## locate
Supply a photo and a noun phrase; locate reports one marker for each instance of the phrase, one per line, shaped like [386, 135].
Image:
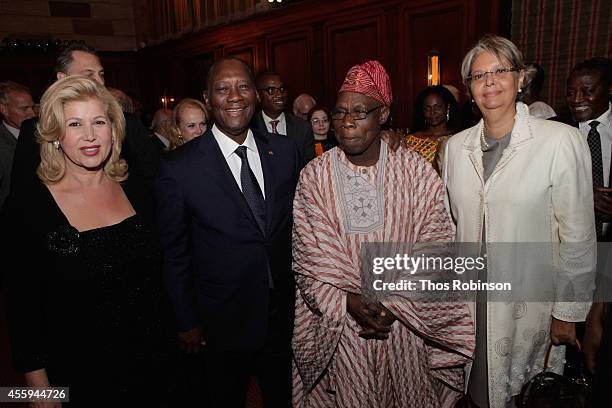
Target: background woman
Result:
[84, 307]
[514, 178]
[188, 122]
[435, 119]
[534, 79]
[324, 138]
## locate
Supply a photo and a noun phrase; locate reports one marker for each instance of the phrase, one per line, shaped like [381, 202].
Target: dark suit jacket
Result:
[138, 150]
[297, 129]
[157, 142]
[215, 256]
[7, 150]
[565, 119]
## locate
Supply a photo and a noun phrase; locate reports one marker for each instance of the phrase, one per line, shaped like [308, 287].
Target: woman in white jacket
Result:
[514, 178]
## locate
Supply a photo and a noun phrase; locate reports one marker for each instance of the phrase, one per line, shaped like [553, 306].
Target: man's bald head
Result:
[161, 122]
[302, 105]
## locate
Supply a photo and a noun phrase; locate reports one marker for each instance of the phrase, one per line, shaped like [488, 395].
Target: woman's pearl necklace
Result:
[483, 140]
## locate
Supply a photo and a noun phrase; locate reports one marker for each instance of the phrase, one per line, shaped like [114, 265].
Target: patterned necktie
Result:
[594, 142]
[274, 123]
[251, 190]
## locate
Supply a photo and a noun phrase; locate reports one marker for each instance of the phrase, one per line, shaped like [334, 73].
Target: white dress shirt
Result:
[165, 141]
[228, 147]
[281, 126]
[14, 131]
[605, 134]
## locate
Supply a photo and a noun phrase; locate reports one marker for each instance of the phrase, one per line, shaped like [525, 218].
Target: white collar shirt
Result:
[605, 134]
[281, 126]
[228, 148]
[14, 131]
[165, 141]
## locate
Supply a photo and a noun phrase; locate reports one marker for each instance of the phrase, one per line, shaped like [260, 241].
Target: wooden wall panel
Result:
[349, 43]
[245, 53]
[37, 71]
[290, 57]
[314, 42]
[418, 39]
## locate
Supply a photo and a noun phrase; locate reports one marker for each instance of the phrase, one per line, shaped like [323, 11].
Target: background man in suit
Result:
[589, 88]
[302, 105]
[273, 119]
[225, 214]
[16, 105]
[126, 103]
[161, 124]
[138, 149]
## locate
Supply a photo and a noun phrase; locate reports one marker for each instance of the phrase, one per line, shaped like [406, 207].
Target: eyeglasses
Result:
[317, 121]
[498, 73]
[338, 114]
[271, 90]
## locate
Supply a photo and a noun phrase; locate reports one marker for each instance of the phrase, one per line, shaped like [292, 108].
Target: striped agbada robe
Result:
[338, 206]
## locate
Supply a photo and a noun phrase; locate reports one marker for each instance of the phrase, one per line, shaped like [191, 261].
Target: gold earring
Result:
[56, 144]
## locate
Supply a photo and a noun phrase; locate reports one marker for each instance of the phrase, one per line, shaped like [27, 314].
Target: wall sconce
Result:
[167, 102]
[433, 68]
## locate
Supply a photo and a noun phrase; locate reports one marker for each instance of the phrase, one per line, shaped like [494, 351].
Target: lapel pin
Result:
[270, 153]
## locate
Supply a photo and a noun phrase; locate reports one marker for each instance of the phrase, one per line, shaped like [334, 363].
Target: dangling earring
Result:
[447, 115]
[56, 144]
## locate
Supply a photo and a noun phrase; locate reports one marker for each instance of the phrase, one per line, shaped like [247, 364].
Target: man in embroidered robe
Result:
[350, 351]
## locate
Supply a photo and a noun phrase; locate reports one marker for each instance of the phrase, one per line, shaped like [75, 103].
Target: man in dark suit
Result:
[161, 126]
[589, 88]
[138, 150]
[224, 205]
[273, 119]
[16, 106]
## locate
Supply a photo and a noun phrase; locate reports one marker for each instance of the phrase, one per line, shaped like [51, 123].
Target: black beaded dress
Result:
[88, 306]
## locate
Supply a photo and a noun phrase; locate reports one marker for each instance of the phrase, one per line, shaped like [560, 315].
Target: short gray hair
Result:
[500, 47]
[9, 86]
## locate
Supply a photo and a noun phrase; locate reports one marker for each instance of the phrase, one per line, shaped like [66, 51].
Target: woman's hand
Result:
[44, 404]
[39, 379]
[393, 138]
[562, 332]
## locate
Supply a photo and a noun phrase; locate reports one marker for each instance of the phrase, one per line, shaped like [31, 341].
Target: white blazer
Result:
[539, 191]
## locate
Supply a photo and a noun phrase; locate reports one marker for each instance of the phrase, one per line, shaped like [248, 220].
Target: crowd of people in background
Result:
[232, 228]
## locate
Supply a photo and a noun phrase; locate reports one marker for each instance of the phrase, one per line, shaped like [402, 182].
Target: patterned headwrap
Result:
[371, 79]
